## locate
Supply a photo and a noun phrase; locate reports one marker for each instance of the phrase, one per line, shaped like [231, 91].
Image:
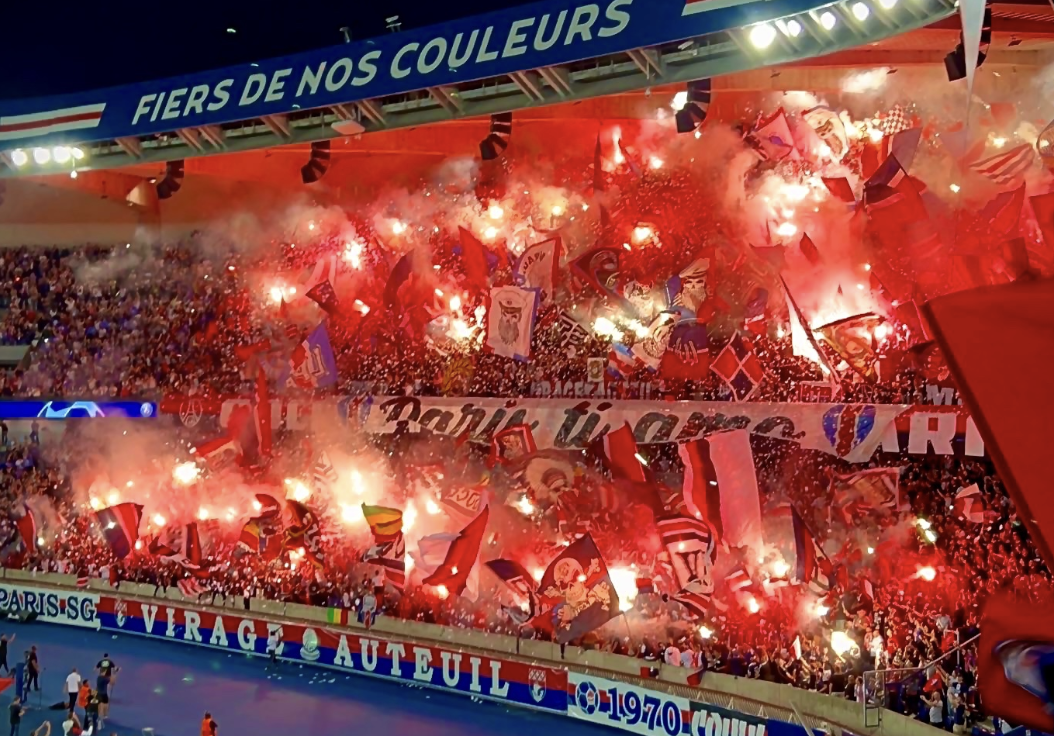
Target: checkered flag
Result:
[895, 121]
[739, 367]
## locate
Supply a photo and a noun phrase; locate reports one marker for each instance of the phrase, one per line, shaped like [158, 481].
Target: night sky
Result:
[59, 47]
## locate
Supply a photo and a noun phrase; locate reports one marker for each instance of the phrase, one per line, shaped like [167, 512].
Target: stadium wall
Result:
[593, 686]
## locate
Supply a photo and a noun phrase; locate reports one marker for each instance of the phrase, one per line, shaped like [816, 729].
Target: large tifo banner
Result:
[850, 431]
[534, 686]
[653, 713]
[51, 605]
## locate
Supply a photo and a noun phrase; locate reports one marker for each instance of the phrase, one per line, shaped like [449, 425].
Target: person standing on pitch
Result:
[73, 686]
[4, 642]
[209, 727]
[104, 683]
[32, 670]
[274, 643]
[91, 712]
[17, 711]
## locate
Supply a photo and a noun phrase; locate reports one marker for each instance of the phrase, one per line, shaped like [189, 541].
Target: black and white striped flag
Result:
[572, 333]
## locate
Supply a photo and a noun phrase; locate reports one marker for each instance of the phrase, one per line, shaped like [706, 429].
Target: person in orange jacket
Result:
[83, 695]
[209, 727]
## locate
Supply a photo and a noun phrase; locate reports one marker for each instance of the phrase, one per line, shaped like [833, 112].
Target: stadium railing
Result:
[880, 684]
[812, 710]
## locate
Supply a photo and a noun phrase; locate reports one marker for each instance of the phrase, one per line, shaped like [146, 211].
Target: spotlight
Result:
[500, 131]
[793, 28]
[61, 154]
[887, 4]
[78, 153]
[861, 11]
[692, 115]
[19, 157]
[172, 181]
[41, 155]
[955, 61]
[828, 20]
[73, 174]
[316, 166]
[762, 35]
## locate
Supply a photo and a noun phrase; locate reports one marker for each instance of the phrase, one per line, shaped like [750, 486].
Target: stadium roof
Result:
[527, 56]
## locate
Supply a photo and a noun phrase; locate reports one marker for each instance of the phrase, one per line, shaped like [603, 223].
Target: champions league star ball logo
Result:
[587, 697]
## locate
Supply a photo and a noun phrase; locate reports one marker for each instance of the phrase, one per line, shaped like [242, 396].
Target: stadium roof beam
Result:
[711, 55]
[372, 112]
[558, 79]
[214, 134]
[192, 138]
[528, 84]
[278, 124]
[133, 147]
[447, 98]
[647, 61]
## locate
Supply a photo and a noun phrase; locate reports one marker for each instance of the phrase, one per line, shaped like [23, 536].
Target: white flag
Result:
[510, 321]
[651, 348]
[538, 267]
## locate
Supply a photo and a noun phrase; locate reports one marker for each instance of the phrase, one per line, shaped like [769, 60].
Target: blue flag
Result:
[576, 595]
[312, 364]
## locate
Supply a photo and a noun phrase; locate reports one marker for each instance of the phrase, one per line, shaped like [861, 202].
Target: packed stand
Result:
[102, 322]
[908, 621]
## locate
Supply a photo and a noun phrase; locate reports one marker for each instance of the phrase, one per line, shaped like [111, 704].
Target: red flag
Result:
[262, 413]
[1014, 661]
[618, 449]
[1004, 114]
[27, 528]
[1003, 213]
[325, 296]
[474, 260]
[304, 531]
[512, 445]
[598, 168]
[841, 189]
[267, 506]
[461, 556]
[219, 453]
[808, 249]
[1043, 209]
[120, 526]
[991, 337]
[721, 486]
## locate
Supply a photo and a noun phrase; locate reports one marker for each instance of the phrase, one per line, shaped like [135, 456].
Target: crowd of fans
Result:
[174, 322]
[115, 322]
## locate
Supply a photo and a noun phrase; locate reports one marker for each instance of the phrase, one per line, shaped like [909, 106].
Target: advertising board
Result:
[519, 683]
[51, 605]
